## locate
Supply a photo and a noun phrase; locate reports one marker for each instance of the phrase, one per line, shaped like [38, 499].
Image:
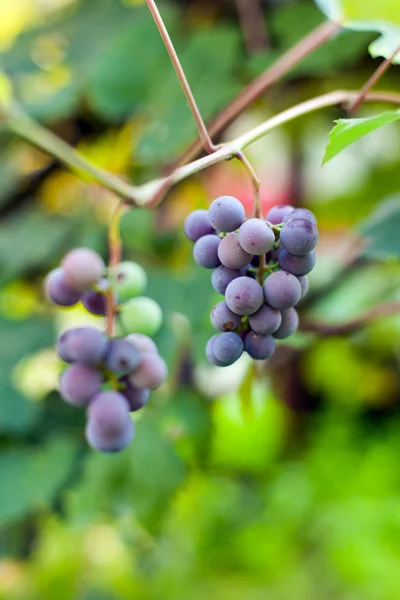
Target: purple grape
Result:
[79, 383]
[197, 225]
[82, 344]
[266, 320]
[210, 352]
[59, 290]
[110, 427]
[222, 276]
[256, 237]
[137, 397]
[297, 265]
[94, 302]
[142, 342]
[227, 348]
[150, 373]
[299, 236]
[121, 357]
[289, 324]
[273, 255]
[223, 318]
[231, 253]
[301, 213]
[259, 347]
[83, 267]
[282, 290]
[304, 284]
[278, 213]
[226, 214]
[205, 251]
[244, 296]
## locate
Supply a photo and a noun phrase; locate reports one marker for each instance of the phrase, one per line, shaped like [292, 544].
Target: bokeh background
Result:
[278, 482]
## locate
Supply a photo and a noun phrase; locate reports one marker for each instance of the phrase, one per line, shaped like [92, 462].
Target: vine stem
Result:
[202, 129]
[115, 256]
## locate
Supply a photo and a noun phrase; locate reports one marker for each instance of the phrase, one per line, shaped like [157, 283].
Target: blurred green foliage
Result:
[281, 482]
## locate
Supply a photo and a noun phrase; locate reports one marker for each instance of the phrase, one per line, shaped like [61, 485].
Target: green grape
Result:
[128, 280]
[141, 315]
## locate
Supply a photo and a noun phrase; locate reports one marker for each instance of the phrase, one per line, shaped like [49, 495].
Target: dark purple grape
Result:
[210, 352]
[82, 344]
[137, 397]
[266, 320]
[282, 290]
[301, 213]
[226, 214]
[244, 296]
[197, 224]
[121, 357]
[289, 324]
[299, 236]
[150, 373]
[256, 237]
[205, 251]
[222, 276]
[110, 427]
[273, 255]
[94, 302]
[297, 265]
[259, 347]
[223, 318]
[142, 342]
[278, 213]
[83, 267]
[79, 383]
[59, 290]
[304, 284]
[227, 348]
[231, 253]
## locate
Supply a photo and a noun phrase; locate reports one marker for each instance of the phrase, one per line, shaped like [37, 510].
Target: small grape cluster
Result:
[260, 293]
[110, 377]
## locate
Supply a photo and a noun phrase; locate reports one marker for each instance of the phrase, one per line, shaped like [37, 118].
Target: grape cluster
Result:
[259, 298]
[110, 377]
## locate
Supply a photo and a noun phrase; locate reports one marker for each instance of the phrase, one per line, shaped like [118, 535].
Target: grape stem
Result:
[115, 256]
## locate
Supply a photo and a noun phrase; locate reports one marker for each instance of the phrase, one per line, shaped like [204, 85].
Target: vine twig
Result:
[115, 255]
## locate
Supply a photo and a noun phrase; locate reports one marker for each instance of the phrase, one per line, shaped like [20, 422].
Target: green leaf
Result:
[382, 230]
[386, 45]
[362, 15]
[348, 131]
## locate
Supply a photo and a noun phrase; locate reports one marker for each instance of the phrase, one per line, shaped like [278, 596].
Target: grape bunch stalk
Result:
[110, 377]
[260, 267]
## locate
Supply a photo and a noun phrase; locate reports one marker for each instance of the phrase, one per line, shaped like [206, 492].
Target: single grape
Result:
[222, 276]
[151, 371]
[266, 320]
[59, 290]
[231, 253]
[304, 284]
[227, 348]
[299, 236]
[244, 296]
[223, 318]
[210, 353]
[278, 213]
[128, 279]
[259, 347]
[83, 268]
[79, 383]
[142, 342]
[82, 344]
[94, 302]
[297, 265]
[226, 213]
[273, 255]
[256, 237]
[301, 213]
[110, 427]
[141, 315]
[197, 225]
[205, 251]
[282, 290]
[289, 324]
[121, 357]
[137, 397]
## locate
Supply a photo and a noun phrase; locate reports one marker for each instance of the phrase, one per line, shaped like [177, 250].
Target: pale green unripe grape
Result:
[141, 315]
[128, 279]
